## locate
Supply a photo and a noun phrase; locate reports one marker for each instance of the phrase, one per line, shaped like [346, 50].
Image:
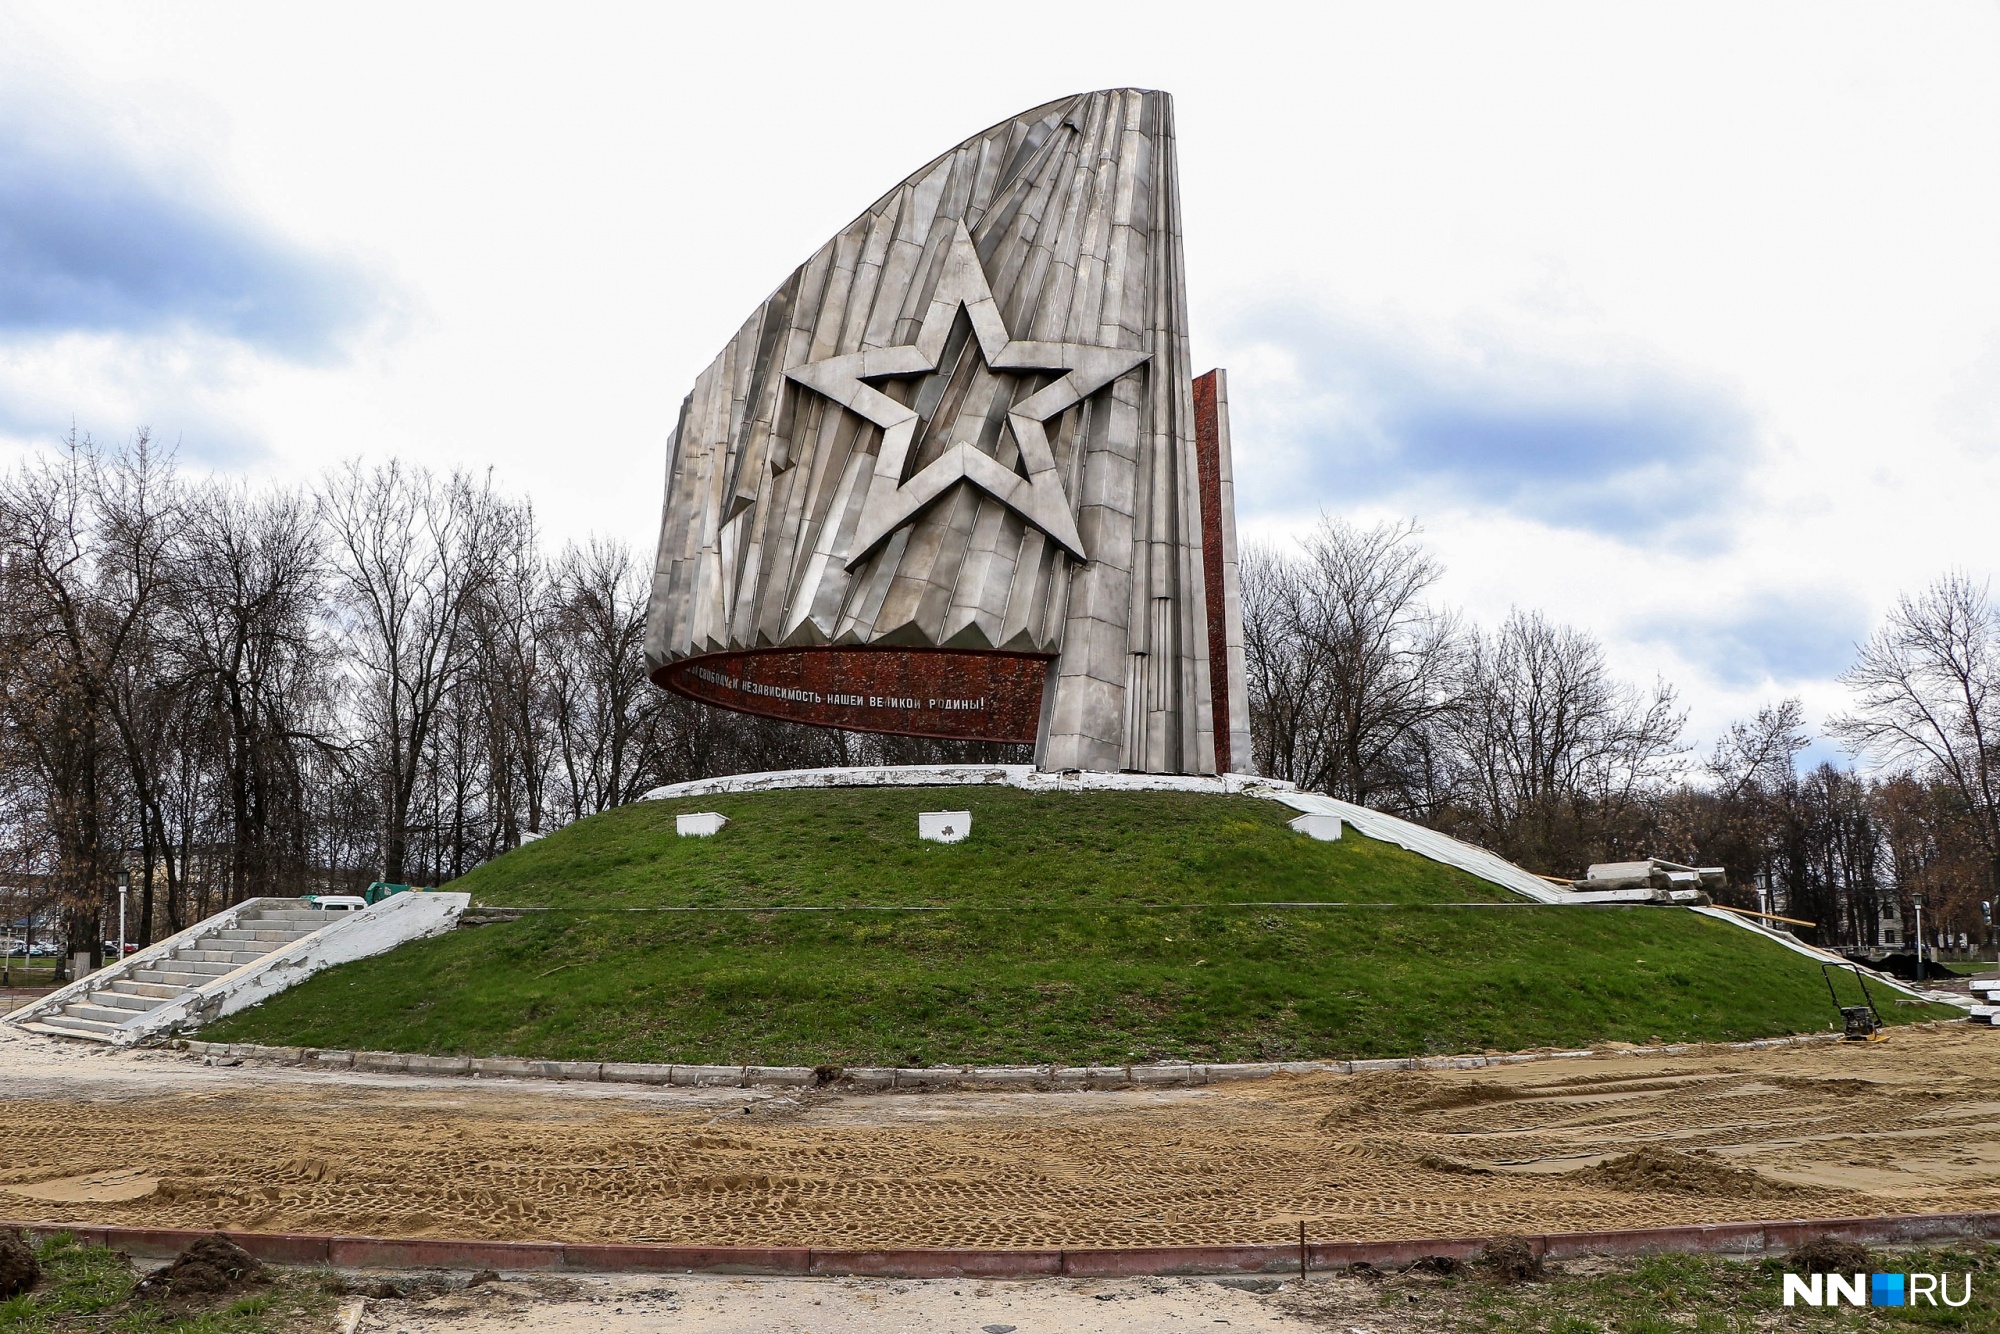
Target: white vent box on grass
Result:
[699, 824]
[1325, 828]
[944, 826]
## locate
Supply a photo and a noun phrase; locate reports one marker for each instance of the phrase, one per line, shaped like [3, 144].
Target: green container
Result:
[382, 889]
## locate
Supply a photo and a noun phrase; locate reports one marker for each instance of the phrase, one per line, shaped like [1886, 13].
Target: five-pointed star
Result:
[1039, 497]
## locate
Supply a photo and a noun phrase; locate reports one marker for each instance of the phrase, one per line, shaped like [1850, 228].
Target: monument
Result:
[956, 478]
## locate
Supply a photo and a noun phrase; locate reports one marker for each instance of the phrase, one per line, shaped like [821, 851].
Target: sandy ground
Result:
[623, 1305]
[1910, 1125]
[626, 1305]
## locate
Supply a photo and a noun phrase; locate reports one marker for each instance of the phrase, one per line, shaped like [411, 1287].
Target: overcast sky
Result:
[1679, 322]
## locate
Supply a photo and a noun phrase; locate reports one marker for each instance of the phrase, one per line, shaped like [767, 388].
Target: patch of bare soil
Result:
[1907, 1126]
[113, 1187]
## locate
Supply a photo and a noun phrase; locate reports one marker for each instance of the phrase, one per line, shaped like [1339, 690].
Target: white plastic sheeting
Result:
[1430, 843]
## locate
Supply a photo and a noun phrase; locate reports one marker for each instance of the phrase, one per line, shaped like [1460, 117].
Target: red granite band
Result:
[960, 694]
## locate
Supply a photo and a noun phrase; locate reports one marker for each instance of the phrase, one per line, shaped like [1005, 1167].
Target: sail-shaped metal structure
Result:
[955, 477]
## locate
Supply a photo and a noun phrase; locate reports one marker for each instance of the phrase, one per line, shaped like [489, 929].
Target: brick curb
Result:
[1030, 1077]
[294, 1248]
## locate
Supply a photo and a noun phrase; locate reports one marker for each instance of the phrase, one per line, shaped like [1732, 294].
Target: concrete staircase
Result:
[128, 994]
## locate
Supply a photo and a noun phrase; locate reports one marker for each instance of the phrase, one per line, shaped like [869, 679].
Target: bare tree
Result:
[1350, 667]
[80, 555]
[1558, 756]
[249, 613]
[1760, 752]
[140, 505]
[1730, 822]
[511, 624]
[599, 697]
[1928, 697]
[1932, 848]
[412, 554]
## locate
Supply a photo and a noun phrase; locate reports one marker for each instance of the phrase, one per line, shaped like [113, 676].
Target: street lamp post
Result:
[124, 888]
[1917, 902]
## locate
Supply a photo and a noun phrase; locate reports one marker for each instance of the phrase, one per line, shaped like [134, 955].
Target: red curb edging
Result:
[1136, 1261]
[968, 1263]
[422, 1253]
[295, 1248]
[655, 1257]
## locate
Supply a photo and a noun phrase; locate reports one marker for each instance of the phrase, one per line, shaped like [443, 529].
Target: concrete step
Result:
[171, 979]
[269, 938]
[60, 1026]
[113, 999]
[234, 958]
[182, 963]
[313, 917]
[105, 1015]
[140, 984]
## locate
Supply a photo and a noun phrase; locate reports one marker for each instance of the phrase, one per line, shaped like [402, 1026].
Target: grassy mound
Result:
[1095, 927]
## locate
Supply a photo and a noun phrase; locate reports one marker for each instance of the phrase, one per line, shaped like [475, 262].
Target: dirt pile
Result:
[210, 1265]
[1439, 1162]
[1391, 1097]
[1830, 1255]
[19, 1270]
[1701, 1172]
[1509, 1260]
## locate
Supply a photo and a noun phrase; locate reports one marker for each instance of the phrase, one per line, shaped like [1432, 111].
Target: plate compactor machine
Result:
[1863, 1022]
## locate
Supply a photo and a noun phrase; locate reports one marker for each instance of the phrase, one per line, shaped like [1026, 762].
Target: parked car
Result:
[336, 902]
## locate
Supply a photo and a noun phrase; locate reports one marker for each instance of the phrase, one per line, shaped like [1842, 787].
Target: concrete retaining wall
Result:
[1028, 1077]
[292, 1248]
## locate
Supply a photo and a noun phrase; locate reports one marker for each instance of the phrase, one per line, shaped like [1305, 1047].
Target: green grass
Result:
[1104, 927]
[90, 1288]
[858, 845]
[1704, 1294]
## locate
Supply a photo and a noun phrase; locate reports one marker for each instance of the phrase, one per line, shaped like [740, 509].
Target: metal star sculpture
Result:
[1038, 497]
